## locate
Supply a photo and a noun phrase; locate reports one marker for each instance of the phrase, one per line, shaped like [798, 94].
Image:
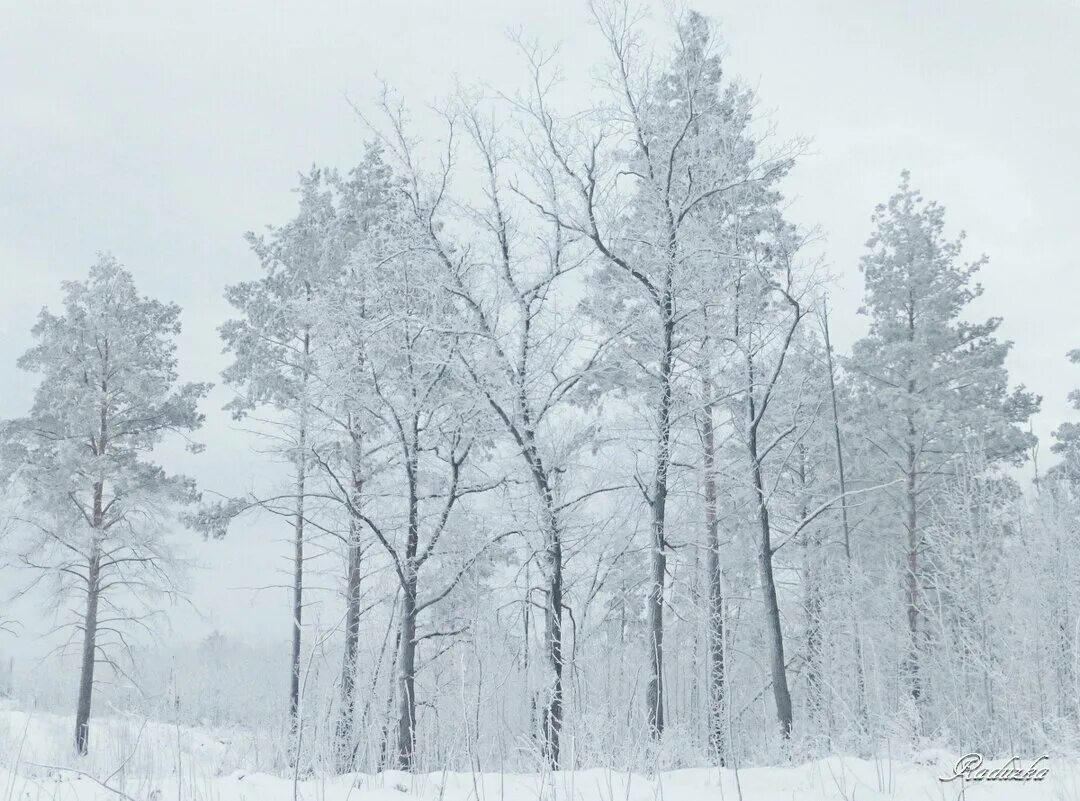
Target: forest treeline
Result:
[574, 473]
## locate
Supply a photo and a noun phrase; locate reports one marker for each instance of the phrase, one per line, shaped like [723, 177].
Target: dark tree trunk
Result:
[553, 643]
[552, 714]
[774, 632]
[298, 552]
[90, 620]
[89, 649]
[406, 738]
[93, 592]
[298, 591]
[777, 663]
[654, 692]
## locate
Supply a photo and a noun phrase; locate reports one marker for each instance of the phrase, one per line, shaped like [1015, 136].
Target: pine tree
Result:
[274, 350]
[933, 384]
[98, 507]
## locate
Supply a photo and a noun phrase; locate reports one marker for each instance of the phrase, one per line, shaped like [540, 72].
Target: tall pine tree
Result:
[97, 506]
[933, 384]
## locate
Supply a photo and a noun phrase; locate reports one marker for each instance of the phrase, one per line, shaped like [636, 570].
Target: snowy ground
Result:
[143, 761]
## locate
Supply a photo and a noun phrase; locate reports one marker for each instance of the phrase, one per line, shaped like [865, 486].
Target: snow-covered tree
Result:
[1067, 437]
[97, 510]
[274, 347]
[934, 384]
[525, 362]
[643, 186]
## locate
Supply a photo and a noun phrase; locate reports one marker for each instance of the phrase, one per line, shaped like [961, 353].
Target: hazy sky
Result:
[163, 135]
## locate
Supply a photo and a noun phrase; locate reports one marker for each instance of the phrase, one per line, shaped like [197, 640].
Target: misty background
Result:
[162, 136]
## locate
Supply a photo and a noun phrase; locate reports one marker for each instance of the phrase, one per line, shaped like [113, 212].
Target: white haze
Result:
[163, 134]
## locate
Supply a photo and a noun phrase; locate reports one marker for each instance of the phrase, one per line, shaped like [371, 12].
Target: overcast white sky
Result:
[164, 132]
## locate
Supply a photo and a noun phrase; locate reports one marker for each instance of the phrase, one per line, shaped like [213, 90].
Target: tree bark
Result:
[654, 692]
[774, 632]
[777, 663]
[298, 589]
[406, 739]
[552, 715]
[298, 550]
[89, 650]
[553, 642]
[93, 589]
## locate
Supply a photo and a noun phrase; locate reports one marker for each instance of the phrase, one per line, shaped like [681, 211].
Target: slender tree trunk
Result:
[714, 577]
[812, 598]
[406, 739]
[654, 692]
[526, 620]
[347, 712]
[553, 642]
[298, 588]
[93, 589]
[298, 551]
[89, 650]
[912, 578]
[777, 663]
[856, 634]
[911, 498]
[774, 632]
[388, 716]
[552, 715]
[814, 603]
[345, 736]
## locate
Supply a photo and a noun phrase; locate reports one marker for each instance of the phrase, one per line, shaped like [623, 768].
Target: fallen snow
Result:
[35, 765]
[834, 779]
